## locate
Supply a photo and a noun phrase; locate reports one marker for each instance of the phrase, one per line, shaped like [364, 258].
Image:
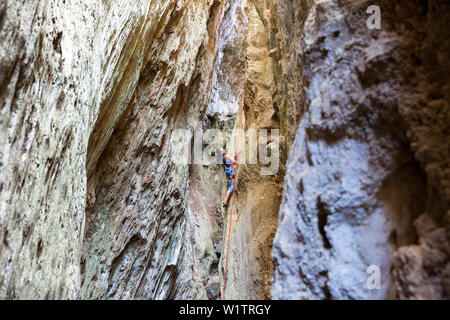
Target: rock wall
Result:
[368, 180]
[273, 100]
[91, 205]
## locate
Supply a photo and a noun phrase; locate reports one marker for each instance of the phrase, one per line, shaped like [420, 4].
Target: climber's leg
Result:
[225, 202]
[229, 192]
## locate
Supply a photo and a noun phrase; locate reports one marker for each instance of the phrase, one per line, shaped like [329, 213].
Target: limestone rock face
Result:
[91, 204]
[136, 211]
[367, 181]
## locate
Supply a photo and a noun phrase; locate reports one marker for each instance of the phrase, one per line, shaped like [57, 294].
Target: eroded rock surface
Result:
[367, 180]
[90, 94]
[137, 208]
[93, 205]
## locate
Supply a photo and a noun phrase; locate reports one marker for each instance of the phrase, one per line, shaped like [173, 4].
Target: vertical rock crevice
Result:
[272, 100]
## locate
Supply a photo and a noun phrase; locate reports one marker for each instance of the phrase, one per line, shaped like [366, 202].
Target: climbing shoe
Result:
[225, 205]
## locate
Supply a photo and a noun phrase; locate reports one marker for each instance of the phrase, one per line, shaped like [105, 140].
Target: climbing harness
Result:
[229, 168]
[225, 275]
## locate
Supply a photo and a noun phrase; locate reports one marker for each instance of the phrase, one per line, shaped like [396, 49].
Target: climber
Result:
[229, 163]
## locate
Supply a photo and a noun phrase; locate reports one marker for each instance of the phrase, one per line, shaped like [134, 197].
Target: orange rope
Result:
[232, 197]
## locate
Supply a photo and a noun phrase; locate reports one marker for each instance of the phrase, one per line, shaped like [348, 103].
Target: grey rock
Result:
[366, 165]
[218, 248]
[213, 291]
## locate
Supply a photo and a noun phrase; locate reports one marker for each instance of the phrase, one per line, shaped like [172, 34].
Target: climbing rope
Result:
[234, 188]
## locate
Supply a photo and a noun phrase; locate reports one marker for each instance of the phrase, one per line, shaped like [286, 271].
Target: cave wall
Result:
[368, 180]
[89, 95]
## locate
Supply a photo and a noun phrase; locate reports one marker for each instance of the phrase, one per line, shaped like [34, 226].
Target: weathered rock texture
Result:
[368, 179]
[89, 96]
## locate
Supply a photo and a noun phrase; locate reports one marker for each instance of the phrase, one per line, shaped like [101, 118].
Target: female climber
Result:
[229, 163]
